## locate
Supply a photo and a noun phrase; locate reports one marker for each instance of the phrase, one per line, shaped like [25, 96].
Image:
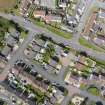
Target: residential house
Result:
[47, 18]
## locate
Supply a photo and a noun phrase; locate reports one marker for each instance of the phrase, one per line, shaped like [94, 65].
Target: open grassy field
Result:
[7, 4]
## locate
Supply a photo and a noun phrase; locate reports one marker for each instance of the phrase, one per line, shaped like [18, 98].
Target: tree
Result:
[27, 31]
[16, 25]
[43, 37]
[39, 78]
[62, 45]
[51, 48]
[99, 103]
[11, 11]
[56, 58]
[16, 7]
[12, 22]
[83, 53]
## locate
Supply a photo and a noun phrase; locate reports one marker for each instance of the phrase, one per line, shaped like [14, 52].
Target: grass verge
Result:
[53, 29]
[60, 32]
[85, 43]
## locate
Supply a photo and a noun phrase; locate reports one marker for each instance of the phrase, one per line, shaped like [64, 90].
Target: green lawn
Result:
[83, 86]
[41, 24]
[23, 35]
[85, 43]
[91, 103]
[60, 32]
[94, 90]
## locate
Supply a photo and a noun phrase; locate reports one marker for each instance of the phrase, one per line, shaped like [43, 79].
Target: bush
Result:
[16, 6]
[27, 31]
[83, 53]
[99, 103]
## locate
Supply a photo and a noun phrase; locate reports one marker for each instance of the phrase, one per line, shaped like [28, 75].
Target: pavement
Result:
[33, 30]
